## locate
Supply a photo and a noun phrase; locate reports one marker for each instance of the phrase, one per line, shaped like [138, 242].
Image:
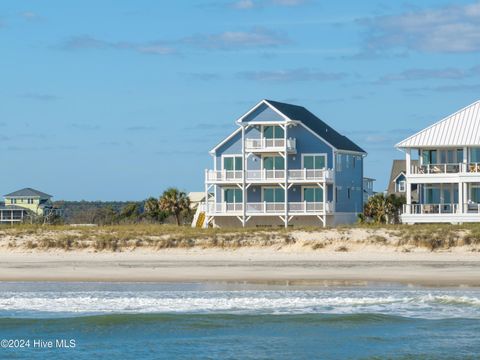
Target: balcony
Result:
[271, 208]
[265, 176]
[440, 213]
[446, 168]
[270, 145]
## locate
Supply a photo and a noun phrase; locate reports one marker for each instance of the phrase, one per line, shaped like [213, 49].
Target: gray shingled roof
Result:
[29, 192]
[296, 112]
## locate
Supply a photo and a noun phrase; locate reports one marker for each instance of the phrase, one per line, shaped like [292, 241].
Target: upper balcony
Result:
[269, 176]
[270, 145]
[446, 169]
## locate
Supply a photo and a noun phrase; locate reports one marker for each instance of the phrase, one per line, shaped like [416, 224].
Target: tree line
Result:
[172, 206]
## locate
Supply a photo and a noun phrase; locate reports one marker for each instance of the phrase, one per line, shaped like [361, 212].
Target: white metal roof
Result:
[459, 129]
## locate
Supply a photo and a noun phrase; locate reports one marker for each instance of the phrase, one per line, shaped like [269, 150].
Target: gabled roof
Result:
[295, 112]
[459, 129]
[299, 113]
[29, 192]
[398, 167]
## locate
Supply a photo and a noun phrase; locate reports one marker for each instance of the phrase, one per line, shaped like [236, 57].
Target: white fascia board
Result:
[364, 154]
[212, 152]
[400, 173]
[239, 120]
[318, 136]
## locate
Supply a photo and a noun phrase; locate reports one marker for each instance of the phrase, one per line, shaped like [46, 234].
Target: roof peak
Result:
[405, 143]
[29, 192]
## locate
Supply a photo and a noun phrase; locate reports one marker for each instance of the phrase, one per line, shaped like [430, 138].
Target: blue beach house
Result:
[283, 166]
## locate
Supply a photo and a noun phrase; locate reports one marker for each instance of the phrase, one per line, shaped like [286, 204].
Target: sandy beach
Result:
[432, 256]
[249, 265]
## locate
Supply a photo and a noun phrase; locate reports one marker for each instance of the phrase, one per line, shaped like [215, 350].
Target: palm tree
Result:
[152, 210]
[174, 202]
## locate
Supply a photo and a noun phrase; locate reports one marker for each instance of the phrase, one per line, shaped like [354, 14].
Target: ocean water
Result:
[237, 321]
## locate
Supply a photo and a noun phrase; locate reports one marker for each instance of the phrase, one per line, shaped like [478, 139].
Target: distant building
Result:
[367, 189]
[198, 197]
[397, 184]
[24, 204]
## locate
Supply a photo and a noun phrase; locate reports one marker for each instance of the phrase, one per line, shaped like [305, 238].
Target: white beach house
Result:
[448, 171]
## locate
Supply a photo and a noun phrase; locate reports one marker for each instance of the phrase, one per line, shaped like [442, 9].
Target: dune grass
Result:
[157, 236]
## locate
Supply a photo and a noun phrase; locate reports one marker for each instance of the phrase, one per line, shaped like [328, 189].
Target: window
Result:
[429, 157]
[339, 164]
[273, 163]
[401, 186]
[312, 194]
[275, 194]
[475, 155]
[13, 201]
[273, 132]
[475, 193]
[432, 195]
[30, 201]
[314, 161]
[232, 163]
[232, 196]
[349, 191]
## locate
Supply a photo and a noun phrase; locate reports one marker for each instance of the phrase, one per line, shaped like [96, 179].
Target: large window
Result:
[232, 196]
[273, 132]
[274, 194]
[432, 195]
[475, 193]
[314, 161]
[312, 194]
[475, 155]
[232, 163]
[273, 163]
[429, 157]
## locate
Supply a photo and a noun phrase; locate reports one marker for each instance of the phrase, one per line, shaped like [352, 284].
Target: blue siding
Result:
[349, 177]
[263, 113]
[307, 143]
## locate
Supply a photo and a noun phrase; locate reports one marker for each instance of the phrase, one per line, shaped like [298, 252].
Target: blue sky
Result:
[117, 100]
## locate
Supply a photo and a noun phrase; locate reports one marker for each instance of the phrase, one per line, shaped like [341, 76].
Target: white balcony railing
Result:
[430, 208]
[472, 167]
[269, 175]
[270, 144]
[271, 208]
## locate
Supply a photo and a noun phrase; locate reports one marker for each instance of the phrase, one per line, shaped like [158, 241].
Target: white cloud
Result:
[442, 29]
[291, 75]
[234, 40]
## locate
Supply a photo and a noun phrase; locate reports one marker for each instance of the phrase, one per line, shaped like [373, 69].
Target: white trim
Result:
[325, 155]
[312, 187]
[272, 156]
[263, 101]
[399, 144]
[401, 173]
[262, 197]
[230, 188]
[398, 186]
[262, 130]
[232, 156]
[212, 152]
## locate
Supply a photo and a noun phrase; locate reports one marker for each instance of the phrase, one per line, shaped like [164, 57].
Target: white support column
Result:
[408, 161]
[325, 192]
[407, 181]
[461, 199]
[244, 193]
[286, 175]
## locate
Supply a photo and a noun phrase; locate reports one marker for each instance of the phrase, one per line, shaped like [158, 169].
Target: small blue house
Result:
[284, 166]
